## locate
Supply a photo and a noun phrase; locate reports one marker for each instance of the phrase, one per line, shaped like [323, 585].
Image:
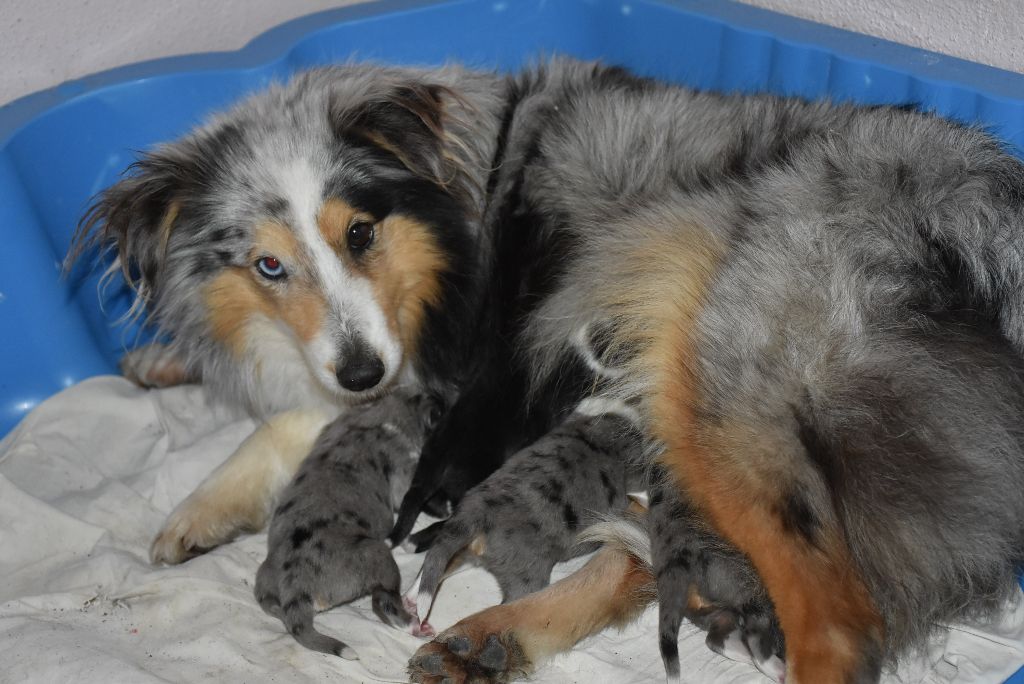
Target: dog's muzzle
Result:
[360, 368]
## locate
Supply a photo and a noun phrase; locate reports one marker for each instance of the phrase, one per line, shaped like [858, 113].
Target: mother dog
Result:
[820, 309]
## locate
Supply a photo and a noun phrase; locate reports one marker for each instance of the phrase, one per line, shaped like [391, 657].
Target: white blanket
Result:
[87, 479]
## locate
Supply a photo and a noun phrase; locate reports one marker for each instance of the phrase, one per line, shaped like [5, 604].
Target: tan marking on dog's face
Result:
[303, 310]
[232, 300]
[238, 294]
[336, 216]
[404, 268]
[274, 239]
[403, 264]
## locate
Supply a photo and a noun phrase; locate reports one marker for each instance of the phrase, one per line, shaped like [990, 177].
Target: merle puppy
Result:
[526, 517]
[701, 577]
[326, 545]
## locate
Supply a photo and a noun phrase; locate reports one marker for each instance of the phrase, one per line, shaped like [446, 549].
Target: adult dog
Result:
[818, 309]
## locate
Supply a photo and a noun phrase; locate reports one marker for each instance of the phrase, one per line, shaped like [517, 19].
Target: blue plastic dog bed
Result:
[60, 146]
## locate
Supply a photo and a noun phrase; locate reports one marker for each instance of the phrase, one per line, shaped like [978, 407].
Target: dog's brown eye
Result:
[360, 235]
[270, 268]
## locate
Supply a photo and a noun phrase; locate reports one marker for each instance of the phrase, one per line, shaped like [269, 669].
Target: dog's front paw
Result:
[154, 365]
[197, 525]
[470, 651]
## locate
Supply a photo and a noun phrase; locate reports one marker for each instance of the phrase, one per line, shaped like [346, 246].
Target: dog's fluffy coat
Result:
[818, 308]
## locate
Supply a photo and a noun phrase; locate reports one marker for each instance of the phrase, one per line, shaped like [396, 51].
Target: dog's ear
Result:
[407, 120]
[136, 214]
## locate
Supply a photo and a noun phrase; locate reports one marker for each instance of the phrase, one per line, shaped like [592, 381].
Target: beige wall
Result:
[45, 42]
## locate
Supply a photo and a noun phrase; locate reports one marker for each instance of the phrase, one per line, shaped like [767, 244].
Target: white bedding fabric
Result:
[87, 479]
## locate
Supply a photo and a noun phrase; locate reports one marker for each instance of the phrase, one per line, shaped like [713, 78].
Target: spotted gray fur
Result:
[527, 515]
[326, 544]
[866, 318]
[687, 555]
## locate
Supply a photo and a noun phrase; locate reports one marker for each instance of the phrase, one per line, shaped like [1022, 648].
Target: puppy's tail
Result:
[297, 615]
[631, 537]
[671, 609]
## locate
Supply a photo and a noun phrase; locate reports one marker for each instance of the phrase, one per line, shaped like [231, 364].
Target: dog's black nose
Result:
[361, 372]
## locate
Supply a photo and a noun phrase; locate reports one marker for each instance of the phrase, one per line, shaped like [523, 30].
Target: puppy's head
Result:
[295, 247]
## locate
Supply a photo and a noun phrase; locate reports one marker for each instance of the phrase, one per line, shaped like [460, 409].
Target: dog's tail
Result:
[297, 615]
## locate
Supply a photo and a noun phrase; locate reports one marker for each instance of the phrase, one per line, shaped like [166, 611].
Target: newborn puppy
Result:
[704, 579]
[525, 517]
[326, 543]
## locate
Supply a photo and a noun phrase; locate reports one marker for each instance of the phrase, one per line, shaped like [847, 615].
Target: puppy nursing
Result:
[701, 577]
[326, 544]
[526, 517]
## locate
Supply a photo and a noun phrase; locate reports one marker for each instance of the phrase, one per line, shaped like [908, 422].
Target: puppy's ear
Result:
[136, 214]
[407, 120]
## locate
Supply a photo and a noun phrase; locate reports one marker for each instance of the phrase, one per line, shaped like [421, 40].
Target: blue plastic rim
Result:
[60, 146]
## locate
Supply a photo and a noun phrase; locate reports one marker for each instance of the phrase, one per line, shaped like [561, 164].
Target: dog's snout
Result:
[362, 370]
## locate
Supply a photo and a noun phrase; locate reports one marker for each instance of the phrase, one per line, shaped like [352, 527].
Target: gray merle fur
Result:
[326, 544]
[689, 560]
[526, 517]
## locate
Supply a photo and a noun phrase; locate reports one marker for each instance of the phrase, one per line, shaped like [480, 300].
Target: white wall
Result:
[986, 31]
[45, 42]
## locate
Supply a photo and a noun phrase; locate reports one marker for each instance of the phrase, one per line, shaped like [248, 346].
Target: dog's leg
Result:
[240, 494]
[510, 641]
[155, 365]
[834, 634]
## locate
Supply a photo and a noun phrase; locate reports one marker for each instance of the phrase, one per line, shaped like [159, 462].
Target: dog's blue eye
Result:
[270, 268]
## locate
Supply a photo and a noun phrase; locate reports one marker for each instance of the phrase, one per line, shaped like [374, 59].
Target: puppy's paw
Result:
[154, 365]
[197, 525]
[470, 652]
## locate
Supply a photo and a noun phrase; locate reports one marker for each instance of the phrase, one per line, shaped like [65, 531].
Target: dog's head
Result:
[295, 247]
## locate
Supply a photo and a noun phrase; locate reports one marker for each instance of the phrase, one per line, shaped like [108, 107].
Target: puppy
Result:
[664, 552]
[702, 578]
[326, 541]
[526, 517]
